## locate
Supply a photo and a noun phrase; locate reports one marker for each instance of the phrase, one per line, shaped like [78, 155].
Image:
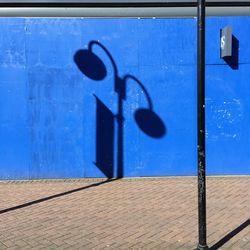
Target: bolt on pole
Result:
[201, 5]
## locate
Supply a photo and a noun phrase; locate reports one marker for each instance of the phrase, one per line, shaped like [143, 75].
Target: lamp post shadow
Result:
[147, 120]
[105, 122]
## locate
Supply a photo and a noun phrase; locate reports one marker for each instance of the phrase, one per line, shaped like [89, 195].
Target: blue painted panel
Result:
[14, 143]
[227, 101]
[228, 120]
[51, 125]
[55, 111]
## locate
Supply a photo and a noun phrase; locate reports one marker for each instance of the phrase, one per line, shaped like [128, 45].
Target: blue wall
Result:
[50, 111]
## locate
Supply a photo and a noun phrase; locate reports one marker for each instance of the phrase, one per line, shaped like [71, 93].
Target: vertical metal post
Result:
[202, 245]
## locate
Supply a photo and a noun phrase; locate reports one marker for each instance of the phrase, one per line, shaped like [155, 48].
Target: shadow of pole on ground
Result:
[30, 203]
[230, 235]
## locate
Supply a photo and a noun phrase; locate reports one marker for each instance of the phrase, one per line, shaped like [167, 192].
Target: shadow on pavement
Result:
[230, 235]
[30, 203]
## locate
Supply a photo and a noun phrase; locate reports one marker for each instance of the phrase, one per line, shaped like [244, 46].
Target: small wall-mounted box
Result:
[226, 42]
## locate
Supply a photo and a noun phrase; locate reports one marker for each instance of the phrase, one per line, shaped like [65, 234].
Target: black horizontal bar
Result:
[139, 4]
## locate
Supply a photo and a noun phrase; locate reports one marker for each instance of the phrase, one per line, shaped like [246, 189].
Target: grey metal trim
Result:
[122, 12]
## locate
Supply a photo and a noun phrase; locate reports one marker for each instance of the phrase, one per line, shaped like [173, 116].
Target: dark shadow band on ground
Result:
[230, 235]
[30, 203]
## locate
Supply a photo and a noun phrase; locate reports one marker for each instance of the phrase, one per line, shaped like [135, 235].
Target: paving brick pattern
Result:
[147, 213]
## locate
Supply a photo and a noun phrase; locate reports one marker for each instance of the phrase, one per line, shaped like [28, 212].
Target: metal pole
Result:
[202, 245]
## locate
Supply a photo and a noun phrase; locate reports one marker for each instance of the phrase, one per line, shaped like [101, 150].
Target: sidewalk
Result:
[146, 213]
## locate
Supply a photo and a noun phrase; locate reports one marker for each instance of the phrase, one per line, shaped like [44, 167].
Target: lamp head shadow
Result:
[150, 123]
[90, 64]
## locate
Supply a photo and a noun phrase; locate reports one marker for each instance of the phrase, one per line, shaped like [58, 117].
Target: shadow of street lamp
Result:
[147, 120]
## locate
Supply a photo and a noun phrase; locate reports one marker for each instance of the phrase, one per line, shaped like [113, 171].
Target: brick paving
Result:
[146, 213]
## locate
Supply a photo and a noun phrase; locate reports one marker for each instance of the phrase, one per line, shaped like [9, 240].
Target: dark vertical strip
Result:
[104, 139]
[120, 121]
[201, 126]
